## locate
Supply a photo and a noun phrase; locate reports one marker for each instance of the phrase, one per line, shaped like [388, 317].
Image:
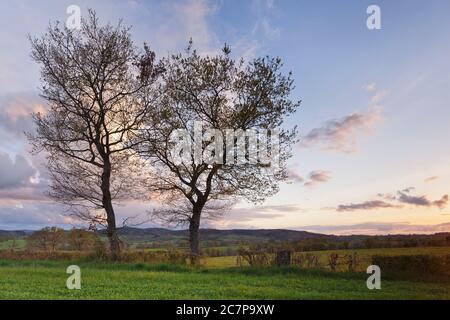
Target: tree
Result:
[82, 240]
[98, 87]
[222, 95]
[46, 239]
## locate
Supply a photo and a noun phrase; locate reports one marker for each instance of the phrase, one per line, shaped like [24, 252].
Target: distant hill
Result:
[15, 233]
[160, 234]
[212, 237]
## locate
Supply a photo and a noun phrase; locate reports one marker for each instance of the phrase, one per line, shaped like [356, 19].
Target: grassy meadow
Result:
[216, 278]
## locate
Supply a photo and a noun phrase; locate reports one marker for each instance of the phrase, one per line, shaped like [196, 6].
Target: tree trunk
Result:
[194, 226]
[110, 215]
[113, 238]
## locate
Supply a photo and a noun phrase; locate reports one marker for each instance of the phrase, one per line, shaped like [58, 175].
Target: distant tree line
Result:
[51, 239]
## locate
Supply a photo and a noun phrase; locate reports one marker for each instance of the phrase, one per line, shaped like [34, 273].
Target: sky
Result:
[374, 153]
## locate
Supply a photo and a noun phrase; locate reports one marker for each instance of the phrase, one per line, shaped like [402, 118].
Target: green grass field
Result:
[102, 280]
[17, 244]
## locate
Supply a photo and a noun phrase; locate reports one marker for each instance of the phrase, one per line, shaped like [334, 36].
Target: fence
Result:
[332, 261]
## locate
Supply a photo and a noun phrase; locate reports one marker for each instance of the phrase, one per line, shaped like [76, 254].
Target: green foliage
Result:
[420, 267]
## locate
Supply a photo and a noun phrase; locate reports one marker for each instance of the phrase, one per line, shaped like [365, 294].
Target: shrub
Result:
[415, 267]
[352, 261]
[43, 255]
[312, 260]
[299, 259]
[173, 257]
[47, 239]
[256, 258]
[82, 240]
[333, 261]
[100, 252]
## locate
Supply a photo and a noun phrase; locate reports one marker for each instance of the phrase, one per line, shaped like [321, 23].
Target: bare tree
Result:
[222, 94]
[82, 240]
[98, 86]
[46, 239]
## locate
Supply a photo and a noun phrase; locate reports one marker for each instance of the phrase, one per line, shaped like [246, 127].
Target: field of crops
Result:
[217, 278]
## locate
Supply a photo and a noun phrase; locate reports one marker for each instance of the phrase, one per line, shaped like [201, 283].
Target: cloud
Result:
[280, 208]
[263, 212]
[378, 228]
[264, 11]
[189, 19]
[294, 177]
[370, 87]
[402, 197]
[415, 200]
[377, 97]
[239, 217]
[441, 203]
[387, 196]
[339, 135]
[316, 177]
[421, 201]
[21, 181]
[17, 173]
[269, 31]
[367, 205]
[15, 113]
[32, 215]
[36, 192]
[430, 179]
[21, 177]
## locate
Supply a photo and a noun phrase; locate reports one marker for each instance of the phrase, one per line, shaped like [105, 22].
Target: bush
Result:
[82, 240]
[312, 260]
[333, 261]
[255, 258]
[352, 261]
[174, 257]
[42, 255]
[46, 239]
[99, 254]
[299, 259]
[414, 267]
